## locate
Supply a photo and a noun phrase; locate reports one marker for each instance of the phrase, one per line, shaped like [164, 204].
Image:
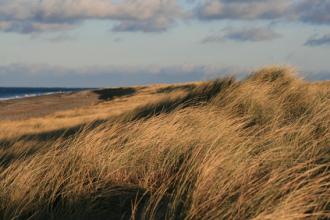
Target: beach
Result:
[39, 106]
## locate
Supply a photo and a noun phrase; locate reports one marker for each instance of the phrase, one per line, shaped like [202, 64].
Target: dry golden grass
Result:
[225, 149]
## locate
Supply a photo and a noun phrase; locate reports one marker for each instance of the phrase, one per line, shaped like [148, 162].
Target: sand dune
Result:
[223, 149]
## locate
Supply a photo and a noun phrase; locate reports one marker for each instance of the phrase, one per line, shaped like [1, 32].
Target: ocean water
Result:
[7, 93]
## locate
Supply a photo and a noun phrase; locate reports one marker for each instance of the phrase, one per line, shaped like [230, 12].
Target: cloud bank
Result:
[28, 16]
[242, 9]
[306, 11]
[19, 75]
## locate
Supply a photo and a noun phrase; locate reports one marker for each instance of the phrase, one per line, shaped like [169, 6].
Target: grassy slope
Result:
[255, 149]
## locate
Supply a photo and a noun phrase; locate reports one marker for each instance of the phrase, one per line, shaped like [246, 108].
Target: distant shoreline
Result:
[13, 93]
[38, 105]
[31, 95]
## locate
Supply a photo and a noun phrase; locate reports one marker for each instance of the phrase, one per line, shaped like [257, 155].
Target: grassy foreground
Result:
[226, 149]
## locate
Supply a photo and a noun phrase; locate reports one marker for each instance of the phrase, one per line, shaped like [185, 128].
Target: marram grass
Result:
[226, 149]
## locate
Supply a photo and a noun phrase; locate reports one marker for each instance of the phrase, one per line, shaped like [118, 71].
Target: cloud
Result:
[315, 11]
[27, 16]
[157, 25]
[24, 27]
[306, 11]
[247, 34]
[318, 41]
[30, 16]
[19, 75]
[242, 10]
[55, 76]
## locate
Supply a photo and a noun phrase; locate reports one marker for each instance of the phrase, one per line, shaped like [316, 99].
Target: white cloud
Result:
[26, 16]
[239, 9]
[41, 15]
[307, 11]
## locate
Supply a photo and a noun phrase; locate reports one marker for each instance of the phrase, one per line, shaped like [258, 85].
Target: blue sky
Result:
[89, 43]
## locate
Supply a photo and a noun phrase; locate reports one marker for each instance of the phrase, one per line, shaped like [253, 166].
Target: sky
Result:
[103, 43]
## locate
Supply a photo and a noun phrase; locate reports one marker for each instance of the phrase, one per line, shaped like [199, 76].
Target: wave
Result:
[29, 95]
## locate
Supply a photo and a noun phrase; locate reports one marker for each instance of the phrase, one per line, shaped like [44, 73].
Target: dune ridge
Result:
[258, 148]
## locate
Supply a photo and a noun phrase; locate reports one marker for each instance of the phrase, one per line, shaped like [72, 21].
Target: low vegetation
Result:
[225, 149]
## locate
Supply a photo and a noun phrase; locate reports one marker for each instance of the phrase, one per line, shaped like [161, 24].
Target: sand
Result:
[17, 109]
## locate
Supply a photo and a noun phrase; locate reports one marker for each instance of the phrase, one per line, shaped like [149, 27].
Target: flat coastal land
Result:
[115, 98]
[38, 106]
[65, 110]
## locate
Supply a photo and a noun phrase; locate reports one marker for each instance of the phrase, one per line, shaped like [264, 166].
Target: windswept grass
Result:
[225, 149]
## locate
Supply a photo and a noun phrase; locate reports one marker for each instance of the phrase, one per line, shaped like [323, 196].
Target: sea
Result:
[7, 93]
